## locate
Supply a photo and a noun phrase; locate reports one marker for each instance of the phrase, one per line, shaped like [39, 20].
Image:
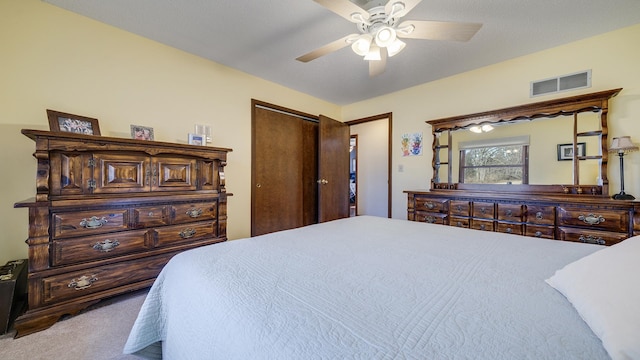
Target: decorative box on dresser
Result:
[577, 211]
[109, 213]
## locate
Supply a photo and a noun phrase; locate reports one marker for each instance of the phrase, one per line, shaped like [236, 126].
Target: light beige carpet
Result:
[96, 334]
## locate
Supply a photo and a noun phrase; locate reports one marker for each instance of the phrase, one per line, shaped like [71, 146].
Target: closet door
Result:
[277, 193]
[333, 159]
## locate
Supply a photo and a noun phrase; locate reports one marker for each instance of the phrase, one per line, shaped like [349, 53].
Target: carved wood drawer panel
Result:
[457, 221]
[431, 218]
[507, 228]
[481, 225]
[190, 212]
[483, 210]
[97, 247]
[594, 219]
[88, 281]
[149, 216]
[172, 235]
[541, 215]
[432, 205]
[459, 208]
[510, 212]
[590, 236]
[68, 224]
[540, 231]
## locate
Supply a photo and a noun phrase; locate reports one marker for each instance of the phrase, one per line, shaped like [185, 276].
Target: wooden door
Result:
[277, 192]
[333, 170]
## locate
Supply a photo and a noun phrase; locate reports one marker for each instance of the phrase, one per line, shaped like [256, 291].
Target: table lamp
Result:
[622, 145]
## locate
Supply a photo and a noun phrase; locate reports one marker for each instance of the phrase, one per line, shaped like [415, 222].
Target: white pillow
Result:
[604, 287]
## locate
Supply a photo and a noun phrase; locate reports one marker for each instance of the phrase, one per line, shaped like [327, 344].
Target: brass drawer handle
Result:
[483, 210]
[591, 219]
[187, 233]
[590, 239]
[430, 219]
[459, 224]
[194, 213]
[482, 227]
[83, 282]
[458, 207]
[106, 245]
[509, 230]
[538, 234]
[93, 222]
[509, 212]
[430, 205]
[539, 215]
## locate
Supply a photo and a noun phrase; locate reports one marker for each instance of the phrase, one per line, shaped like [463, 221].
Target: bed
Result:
[376, 288]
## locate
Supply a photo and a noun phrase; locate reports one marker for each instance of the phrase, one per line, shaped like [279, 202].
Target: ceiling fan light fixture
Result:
[362, 45]
[373, 54]
[395, 47]
[385, 36]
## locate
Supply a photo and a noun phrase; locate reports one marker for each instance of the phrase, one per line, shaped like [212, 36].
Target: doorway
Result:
[371, 165]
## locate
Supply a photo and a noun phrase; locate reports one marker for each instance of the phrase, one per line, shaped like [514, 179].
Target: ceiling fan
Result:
[380, 30]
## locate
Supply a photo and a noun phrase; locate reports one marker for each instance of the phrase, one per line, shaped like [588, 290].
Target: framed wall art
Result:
[63, 122]
[141, 132]
[565, 151]
[196, 139]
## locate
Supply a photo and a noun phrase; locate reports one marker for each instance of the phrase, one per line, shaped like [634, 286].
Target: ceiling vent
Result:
[567, 82]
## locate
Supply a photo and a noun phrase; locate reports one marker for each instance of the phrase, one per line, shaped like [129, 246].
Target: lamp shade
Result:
[622, 144]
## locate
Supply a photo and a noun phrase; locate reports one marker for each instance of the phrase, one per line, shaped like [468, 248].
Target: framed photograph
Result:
[565, 151]
[196, 139]
[63, 122]
[141, 132]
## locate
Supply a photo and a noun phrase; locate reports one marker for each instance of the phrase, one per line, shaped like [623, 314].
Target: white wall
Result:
[372, 165]
[613, 58]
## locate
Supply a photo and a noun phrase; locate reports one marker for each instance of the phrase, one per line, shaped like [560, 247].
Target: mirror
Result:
[531, 146]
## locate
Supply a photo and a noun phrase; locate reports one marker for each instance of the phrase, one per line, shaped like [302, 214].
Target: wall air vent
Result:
[567, 82]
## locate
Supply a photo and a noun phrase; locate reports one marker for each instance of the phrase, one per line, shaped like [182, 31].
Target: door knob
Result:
[323, 181]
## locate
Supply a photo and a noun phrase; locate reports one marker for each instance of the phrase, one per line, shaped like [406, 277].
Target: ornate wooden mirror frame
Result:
[597, 102]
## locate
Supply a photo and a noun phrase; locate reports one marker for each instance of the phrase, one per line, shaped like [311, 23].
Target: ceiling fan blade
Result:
[329, 48]
[376, 67]
[344, 8]
[408, 5]
[438, 30]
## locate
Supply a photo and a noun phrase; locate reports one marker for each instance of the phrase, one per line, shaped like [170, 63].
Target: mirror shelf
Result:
[444, 146]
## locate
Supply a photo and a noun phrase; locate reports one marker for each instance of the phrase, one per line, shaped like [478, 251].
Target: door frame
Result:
[388, 116]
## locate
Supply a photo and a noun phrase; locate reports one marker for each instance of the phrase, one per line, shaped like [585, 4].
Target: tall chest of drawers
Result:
[109, 213]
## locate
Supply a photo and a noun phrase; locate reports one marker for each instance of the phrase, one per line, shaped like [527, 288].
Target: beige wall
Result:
[613, 58]
[54, 59]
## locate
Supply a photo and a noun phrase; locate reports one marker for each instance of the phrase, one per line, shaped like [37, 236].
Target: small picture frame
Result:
[565, 151]
[63, 122]
[141, 132]
[196, 139]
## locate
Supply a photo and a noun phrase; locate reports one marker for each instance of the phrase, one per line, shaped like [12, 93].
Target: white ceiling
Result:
[263, 38]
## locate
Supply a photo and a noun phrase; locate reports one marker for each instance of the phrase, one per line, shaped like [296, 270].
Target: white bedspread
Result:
[367, 288]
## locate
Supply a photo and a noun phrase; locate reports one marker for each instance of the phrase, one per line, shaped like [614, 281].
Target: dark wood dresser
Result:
[109, 213]
[603, 222]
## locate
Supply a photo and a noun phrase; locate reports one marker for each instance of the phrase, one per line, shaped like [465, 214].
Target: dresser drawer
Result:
[431, 218]
[78, 283]
[483, 210]
[594, 219]
[481, 225]
[590, 236]
[81, 223]
[459, 208]
[78, 250]
[462, 222]
[190, 212]
[173, 235]
[540, 231]
[541, 215]
[517, 229]
[150, 216]
[430, 205]
[510, 212]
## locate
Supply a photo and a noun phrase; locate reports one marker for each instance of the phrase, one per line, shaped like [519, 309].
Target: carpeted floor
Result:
[98, 333]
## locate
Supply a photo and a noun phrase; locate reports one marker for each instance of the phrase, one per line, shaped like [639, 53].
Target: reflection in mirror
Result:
[525, 152]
